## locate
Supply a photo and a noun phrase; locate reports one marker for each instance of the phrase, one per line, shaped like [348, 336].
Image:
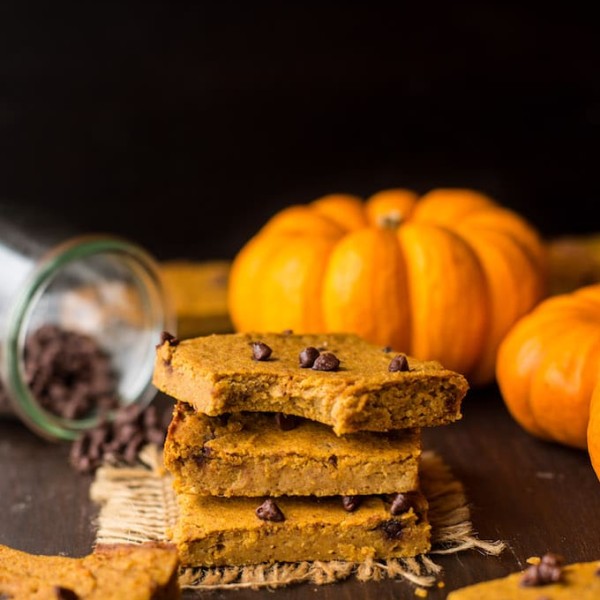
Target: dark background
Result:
[185, 125]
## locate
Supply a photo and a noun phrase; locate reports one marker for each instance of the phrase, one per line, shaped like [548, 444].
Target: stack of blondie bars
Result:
[287, 447]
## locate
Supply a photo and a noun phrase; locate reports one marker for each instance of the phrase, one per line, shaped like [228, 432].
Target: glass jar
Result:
[102, 286]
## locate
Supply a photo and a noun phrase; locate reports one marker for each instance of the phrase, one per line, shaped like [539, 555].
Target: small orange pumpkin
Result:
[440, 277]
[549, 364]
[593, 430]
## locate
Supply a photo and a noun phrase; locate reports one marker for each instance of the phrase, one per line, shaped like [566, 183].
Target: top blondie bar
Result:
[369, 389]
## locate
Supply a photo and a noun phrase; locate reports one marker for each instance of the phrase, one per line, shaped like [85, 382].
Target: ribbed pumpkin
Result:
[549, 364]
[442, 276]
[593, 431]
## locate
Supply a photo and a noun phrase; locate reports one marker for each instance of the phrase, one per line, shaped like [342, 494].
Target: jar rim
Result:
[142, 265]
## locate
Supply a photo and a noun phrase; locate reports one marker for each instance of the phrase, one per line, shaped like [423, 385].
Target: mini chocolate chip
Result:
[308, 356]
[351, 503]
[260, 351]
[327, 361]
[286, 422]
[333, 461]
[63, 593]
[269, 511]
[401, 503]
[387, 349]
[392, 529]
[549, 570]
[165, 336]
[398, 363]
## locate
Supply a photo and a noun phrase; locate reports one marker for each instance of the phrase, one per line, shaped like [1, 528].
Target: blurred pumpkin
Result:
[442, 276]
[593, 431]
[549, 364]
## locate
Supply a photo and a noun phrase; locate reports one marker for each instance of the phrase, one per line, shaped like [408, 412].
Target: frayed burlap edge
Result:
[137, 504]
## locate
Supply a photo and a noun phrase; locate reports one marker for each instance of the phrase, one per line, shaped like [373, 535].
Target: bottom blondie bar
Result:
[214, 531]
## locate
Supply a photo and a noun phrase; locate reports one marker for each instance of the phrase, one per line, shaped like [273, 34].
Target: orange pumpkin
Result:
[442, 276]
[549, 364]
[593, 431]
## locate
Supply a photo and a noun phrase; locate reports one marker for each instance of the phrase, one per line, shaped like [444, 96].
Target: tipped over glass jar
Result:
[80, 316]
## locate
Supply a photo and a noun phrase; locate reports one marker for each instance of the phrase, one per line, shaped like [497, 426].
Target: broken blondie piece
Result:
[146, 571]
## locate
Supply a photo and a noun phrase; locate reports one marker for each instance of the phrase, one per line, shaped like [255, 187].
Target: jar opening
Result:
[102, 289]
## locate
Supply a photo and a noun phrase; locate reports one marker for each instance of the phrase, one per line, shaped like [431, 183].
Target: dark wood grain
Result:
[535, 496]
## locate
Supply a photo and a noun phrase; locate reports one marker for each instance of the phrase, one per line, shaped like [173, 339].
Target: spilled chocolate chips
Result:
[549, 570]
[269, 511]
[118, 441]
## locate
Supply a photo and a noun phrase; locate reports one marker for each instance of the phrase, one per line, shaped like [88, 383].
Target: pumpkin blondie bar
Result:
[214, 531]
[258, 454]
[338, 379]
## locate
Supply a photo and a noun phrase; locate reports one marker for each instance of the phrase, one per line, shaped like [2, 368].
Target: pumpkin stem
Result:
[390, 220]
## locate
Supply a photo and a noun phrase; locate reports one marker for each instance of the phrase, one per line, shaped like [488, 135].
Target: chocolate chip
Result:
[398, 363]
[387, 349]
[392, 529]
[269, 511]
[549, 570]
[327, 361]
[63, 593]
[165, 336]
[333, 461]
[260, 351]
[286, 422]
[402, 503]
[351, 503]
[308, 356]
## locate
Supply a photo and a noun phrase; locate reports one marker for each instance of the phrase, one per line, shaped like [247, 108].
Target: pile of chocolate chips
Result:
[71, 376]
[68, 372]
[119, 441]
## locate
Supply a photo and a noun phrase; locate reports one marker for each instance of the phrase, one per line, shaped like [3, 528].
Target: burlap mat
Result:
[138, 504]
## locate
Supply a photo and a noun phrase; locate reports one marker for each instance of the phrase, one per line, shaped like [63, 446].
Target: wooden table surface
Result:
[535, 496]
